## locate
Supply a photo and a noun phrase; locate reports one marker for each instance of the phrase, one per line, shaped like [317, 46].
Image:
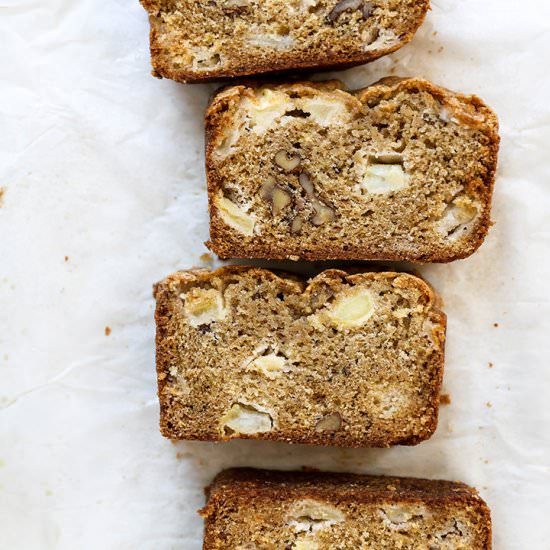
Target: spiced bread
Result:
[267, 510]
[347, 359]
[401, 170]
[203, 40]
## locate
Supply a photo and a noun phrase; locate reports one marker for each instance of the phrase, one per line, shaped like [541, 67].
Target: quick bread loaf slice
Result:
[343, 359]
[401, 170]
[198, 41]
[268, 510]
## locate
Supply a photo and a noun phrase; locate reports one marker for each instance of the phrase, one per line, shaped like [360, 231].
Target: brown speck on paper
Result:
[445, 399]
[107, 331]
[495, 325]
[66, 258]
[206, 258]
[2, 194]
[490, 365]
[488, 404]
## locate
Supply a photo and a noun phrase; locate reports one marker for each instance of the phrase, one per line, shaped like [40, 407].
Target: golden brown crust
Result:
[241, 486]
[279, 63]
[166, 354]
[470, 110]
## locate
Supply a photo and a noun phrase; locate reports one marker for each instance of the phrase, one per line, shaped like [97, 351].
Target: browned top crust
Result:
[470, 109]
[468, 112]
[337, 486]
[207, 41]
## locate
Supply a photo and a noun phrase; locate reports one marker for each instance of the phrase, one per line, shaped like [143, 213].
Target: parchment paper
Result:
[101, 170]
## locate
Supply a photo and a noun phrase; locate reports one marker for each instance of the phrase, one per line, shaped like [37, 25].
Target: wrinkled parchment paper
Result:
[103, 193]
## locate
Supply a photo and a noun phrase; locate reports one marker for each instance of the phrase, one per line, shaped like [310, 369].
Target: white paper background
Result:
[101, 163]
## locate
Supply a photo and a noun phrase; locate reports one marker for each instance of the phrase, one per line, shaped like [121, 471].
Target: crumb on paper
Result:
[2, 194]
[450, 428]
[445, 399]
[490, 365]
[495, 325]
[206, 258]
[434, 33]
[488, 404]
[440, 49]
[107, 331]
[66, 258]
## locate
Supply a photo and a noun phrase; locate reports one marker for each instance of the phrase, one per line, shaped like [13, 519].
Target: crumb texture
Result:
[344, 359]
[263, 510]
[401, 170]
[204, 40]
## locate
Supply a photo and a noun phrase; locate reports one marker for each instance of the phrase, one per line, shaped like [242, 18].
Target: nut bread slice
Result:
[344, 359]
[401, 170]
[199, 41]
[269, 510]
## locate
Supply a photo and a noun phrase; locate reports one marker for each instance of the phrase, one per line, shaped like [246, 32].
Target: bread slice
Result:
[200, 41]
[266, 510]
[401, 170]
[345, 359]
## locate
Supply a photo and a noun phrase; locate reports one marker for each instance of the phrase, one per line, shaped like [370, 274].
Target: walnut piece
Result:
[281, 199]
[341, 7]
[323, 213]
[305, 182]
[296, 226]
[287, 161]
[329, 423]
[275, 194]
[266, 190]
